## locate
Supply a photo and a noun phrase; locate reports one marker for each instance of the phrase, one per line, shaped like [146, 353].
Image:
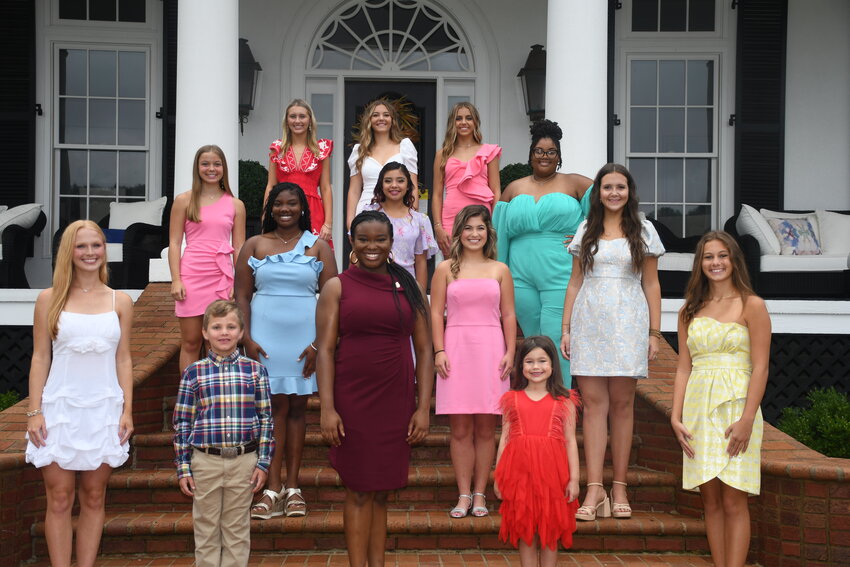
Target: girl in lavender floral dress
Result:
[414, 239]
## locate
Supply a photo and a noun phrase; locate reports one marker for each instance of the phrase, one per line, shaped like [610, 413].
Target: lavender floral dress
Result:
[412, 235]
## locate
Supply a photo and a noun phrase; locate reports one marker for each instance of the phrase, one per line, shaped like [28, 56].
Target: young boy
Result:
[223, 439]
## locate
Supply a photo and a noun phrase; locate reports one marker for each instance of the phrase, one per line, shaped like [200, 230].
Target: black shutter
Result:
[17, 102]
[760, 104]
[169, 94]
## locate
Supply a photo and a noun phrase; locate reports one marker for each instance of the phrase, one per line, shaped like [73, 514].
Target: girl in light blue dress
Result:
[610, 327]
[287, 265]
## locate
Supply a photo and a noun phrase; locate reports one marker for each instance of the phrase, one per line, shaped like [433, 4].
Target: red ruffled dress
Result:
[533, 471]
[305, 174]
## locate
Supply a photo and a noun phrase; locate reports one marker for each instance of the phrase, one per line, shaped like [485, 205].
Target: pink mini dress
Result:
[206, 267]
[467, 183]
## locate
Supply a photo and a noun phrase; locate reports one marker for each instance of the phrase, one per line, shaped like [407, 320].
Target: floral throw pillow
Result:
[796, 236]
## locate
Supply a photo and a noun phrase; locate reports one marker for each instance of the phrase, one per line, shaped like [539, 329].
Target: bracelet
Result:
[329, 227]
[655, 333]
[312, 346]
[34, 413]
[436, 352]
[438, 225]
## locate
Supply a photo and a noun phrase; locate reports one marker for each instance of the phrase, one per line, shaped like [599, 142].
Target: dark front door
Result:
[423, 98]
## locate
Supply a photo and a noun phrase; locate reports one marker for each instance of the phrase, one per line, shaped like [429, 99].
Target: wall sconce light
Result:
[249, 78]
[533, 79]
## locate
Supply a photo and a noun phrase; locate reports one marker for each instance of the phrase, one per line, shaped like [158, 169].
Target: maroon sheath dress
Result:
[374, 389]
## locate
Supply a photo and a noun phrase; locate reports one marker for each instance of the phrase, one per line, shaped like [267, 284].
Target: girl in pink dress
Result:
[474, 352]
[467, 168]
[298, 157]
[213, 222]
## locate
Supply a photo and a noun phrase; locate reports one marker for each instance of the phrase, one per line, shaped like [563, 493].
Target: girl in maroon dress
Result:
[365, 371]
[298, 157]
[537, 463]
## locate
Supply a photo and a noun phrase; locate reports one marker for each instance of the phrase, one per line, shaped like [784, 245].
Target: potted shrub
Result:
[253, 177]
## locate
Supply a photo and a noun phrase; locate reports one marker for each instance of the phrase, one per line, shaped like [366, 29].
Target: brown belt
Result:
[230, 452]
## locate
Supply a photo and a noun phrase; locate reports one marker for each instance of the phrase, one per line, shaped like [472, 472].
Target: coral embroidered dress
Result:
[305, 174]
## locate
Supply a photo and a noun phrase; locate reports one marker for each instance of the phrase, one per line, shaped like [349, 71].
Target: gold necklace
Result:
[719, 299]
[546, 180]
[285, 242]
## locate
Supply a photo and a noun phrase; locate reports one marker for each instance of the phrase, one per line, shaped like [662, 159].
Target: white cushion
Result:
[797, 237]
[834, 232]
[122, 215]
[676, 262]
[819, 263]
[3, 208]
[752, 223]
[114, 252]
[768, 214]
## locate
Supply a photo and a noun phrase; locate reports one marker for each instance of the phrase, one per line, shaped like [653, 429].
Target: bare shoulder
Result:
[754, 306]
[332, 288]
[182, 200]
[443, 268]
[513, 189]
[238, 204]
[43, 299]
[576, 183]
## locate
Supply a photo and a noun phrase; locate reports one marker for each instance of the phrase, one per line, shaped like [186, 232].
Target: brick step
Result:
[430, 488]
[171, 533]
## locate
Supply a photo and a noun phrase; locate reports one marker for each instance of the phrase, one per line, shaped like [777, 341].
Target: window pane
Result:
[698, 221]
[131, 122]
[671, 217]
[101, 73]
[670, 180]
[701, 82]
[642, 130]
[102, 10]
[131, 174]
[698, 180]
[701, 15]
[71, 209]
[644, 79]
[73, 172]
[671, 84]
[72, 9]
[325, 131]
[101, 121]
[645, 15]
[671, 130]
[103, 175]
[643, 170]
[647, 210]
[131, 74]
[72, 121]
[72, 72]
[323, 107]
[453, 100]
[673, 15]
[98, 209]
[699, 129]
[131, 10]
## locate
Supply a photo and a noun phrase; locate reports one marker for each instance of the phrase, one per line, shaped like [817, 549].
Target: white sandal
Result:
[262, 511]
[294, 504]
[619, 509]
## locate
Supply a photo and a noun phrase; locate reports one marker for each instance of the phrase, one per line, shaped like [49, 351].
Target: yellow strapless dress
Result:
[714, 399]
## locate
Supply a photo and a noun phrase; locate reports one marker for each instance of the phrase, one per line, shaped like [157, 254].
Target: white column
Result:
[577, 81]
[207, 85]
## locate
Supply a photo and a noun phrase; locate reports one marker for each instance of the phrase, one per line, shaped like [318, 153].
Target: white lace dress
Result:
[82, 401]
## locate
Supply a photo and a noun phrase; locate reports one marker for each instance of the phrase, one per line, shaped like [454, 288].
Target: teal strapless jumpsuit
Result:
[531, 242]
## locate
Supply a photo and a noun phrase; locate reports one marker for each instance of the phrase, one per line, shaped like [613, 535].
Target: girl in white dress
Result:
[80, 414]
[610, 328]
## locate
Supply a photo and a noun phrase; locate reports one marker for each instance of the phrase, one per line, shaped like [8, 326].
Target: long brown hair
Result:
[696, 293]
[286, 133]
[63, 273]
[193, 211]
[630, 222]
[456, 249]
[366, 138]
[555, 382]
[450, 141]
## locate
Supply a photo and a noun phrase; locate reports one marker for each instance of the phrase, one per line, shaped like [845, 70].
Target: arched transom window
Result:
[391, 35]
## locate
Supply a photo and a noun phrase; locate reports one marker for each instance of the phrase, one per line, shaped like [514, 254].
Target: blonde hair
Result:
[193, 211]
[286, 133]
[222, 308]
[456, 249]
[366, 139]
[450, 141]
[63, 273]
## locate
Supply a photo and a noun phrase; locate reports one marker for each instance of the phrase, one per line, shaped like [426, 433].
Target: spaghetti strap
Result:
[113, 300]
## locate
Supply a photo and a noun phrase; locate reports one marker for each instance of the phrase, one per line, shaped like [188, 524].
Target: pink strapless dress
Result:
[474, 345]
[466, 183]
[206, 267]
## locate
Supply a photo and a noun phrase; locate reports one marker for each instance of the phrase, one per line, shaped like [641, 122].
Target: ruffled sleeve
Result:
[489, 152]
[654, 247]
[352, 159]
[425, 243]
[274, 148]
[325, 148]
[475, 182]
[408, 156]
[503, 235]
[574, 247]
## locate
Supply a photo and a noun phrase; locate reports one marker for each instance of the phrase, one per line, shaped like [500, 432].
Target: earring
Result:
[352, 258]
[390, 257]
[302, 213]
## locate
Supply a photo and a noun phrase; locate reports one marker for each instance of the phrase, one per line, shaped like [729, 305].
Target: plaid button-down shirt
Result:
[223, 401]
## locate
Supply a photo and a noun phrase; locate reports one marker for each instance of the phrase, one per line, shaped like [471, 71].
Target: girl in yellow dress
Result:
[724, 338]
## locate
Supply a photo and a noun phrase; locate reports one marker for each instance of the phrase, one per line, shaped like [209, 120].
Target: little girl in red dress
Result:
[537, 463]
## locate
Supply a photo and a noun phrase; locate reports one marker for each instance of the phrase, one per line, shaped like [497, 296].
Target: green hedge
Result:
[8, 399]
[823, 426]
[253, 177]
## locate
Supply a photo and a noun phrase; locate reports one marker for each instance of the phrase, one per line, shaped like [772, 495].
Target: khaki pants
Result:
[221, 511]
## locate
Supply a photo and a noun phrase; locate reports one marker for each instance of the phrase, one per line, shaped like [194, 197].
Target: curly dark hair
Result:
[545, 129]
[304, 222]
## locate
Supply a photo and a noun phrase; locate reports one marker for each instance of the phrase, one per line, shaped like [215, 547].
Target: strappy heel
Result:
[590, 513]
[480, 511]
[619, 509]
[294, 505]
[458, 512]
[263, 511]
